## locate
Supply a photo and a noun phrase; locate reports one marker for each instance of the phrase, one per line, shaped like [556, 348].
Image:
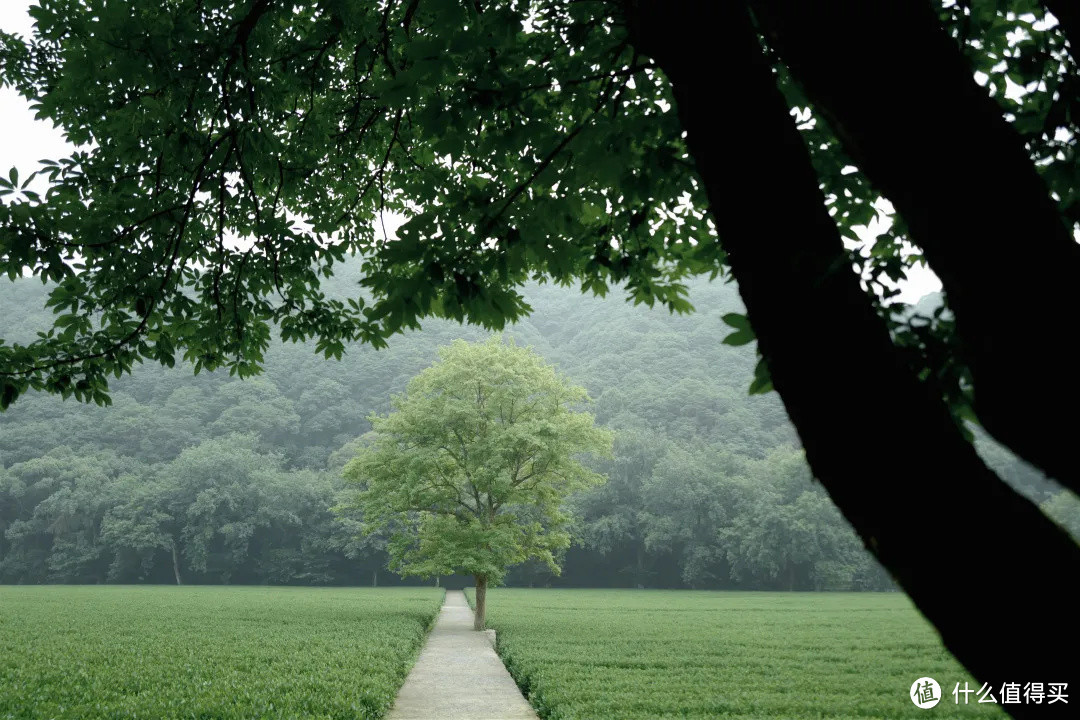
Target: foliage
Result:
[527, 140]
[64, 500]
[1013, 48]
[692, 453]
[233, 154]
[470, 469]
[722, 520]
[85, 653]
[656, 654]
[231, 512]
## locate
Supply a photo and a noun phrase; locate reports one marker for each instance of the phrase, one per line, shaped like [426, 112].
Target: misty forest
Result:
[707, 487]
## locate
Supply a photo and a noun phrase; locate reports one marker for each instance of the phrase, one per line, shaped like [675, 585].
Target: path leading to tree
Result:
[458, 675]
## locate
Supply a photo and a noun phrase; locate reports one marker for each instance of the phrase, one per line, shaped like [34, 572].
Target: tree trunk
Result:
[375, 578]
[176, 564]
[1068, 14]
[908, 111]
[882, 444]
[480, 618]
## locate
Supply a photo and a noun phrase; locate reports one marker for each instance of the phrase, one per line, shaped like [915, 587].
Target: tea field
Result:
[637, 654]
[207, 652]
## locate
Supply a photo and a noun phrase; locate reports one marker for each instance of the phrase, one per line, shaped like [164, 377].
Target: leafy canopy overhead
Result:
[231, 153]
[469, 471]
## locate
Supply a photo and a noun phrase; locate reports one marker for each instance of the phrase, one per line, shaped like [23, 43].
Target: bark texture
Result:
[480, 615]
[933, 142]
[176, 565]
[883, 444]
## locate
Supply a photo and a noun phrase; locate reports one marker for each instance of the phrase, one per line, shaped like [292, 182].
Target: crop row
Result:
[585, 655]
[207, 652]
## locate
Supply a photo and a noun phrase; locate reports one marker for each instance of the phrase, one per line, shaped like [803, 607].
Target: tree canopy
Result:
[234, 152]
[471, 469]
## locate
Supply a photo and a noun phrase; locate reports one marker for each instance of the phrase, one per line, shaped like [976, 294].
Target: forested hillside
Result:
[211, 479]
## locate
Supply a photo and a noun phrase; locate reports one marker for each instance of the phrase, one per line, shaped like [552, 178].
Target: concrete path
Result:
[458, 675]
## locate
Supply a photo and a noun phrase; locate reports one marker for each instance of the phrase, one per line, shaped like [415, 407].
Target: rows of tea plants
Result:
[208, 652]
[629, 654]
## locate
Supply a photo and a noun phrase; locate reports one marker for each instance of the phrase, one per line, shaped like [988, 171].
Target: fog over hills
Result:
[235, 480]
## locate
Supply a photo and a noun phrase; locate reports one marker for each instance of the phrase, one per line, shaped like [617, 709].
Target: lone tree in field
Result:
[470, 469]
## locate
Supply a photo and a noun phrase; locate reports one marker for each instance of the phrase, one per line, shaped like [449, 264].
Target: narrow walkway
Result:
[458, 675]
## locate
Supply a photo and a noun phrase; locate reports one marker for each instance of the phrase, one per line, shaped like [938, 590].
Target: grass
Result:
[208, 652]
[629, 654]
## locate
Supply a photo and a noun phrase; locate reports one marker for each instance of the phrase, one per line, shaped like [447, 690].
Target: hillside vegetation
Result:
[209, 479]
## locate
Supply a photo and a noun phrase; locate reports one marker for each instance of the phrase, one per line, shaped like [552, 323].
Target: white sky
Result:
[24, 141]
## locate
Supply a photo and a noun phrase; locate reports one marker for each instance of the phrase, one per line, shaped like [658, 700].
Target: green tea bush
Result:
[208, 652]
[659, 655]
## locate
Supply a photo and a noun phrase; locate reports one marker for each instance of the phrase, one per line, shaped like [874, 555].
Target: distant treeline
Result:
[208, 479]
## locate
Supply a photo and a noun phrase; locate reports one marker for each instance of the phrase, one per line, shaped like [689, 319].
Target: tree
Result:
[802, 272]
[470, 469]
[242, 148]
[609, 517]
[65, 498]
[1002, 193]
[258, 408]
[139, 528]
[690, 495]
[783, 532]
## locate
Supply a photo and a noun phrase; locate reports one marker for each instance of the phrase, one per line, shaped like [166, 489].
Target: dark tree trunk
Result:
[480, 618]
[907, 109]
[176, 564]
[882, 444]
[1068, 14]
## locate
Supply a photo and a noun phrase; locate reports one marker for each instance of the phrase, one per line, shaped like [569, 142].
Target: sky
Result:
[24, 141]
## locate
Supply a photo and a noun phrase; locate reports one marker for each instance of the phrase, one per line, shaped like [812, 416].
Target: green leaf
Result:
[737, 321]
